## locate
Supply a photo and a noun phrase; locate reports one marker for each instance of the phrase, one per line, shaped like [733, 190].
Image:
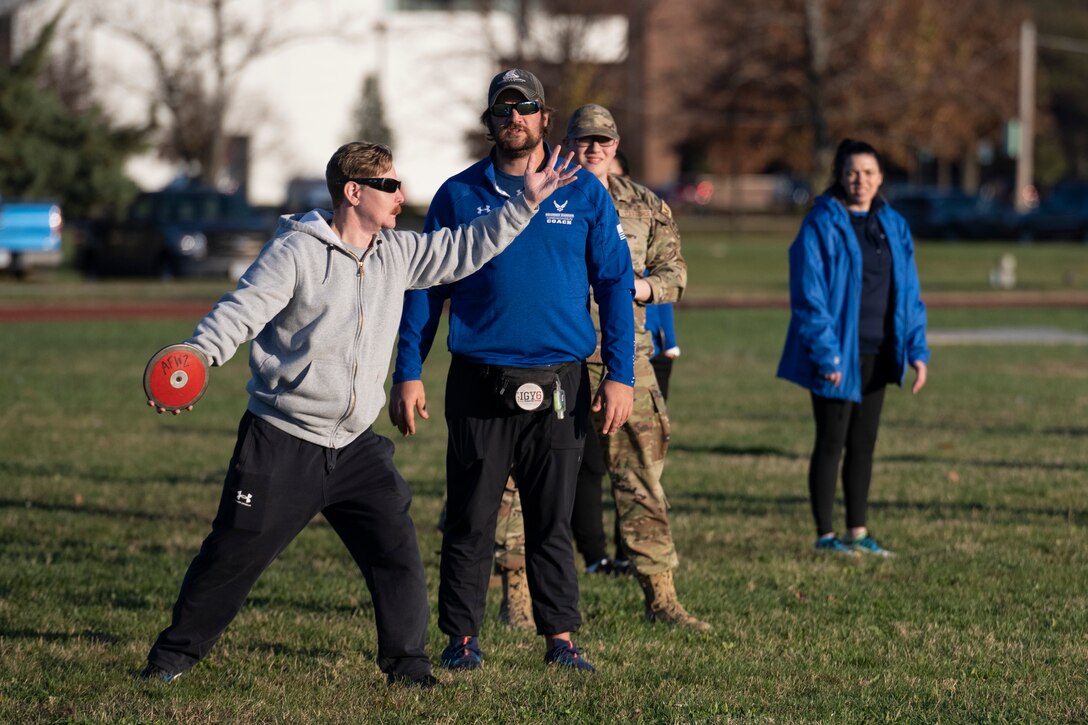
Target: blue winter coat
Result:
[825, 294]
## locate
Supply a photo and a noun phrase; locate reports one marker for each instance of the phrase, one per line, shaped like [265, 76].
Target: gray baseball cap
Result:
[591, 120]
[520, 80]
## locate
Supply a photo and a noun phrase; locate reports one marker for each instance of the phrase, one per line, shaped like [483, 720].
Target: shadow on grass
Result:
[309, 605]
[727, 450]
[768, 452]
[281, 650]
[89, 635]
[10, 470]
[8, 503]
[982, 463]
[690, 503]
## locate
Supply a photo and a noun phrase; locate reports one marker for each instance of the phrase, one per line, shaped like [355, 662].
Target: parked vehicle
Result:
[304, 194]
[1061, 214]
[934, 213]
[29, 236]
[178, 233]
[741, 193]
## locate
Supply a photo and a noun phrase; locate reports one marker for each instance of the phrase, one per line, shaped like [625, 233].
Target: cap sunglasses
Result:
[524, 108]
[389, 186]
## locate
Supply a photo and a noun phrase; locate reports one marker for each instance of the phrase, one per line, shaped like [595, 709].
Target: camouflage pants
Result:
[510, 530]
[635, 461]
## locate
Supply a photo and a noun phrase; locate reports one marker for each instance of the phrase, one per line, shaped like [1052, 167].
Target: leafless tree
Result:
[199, 51]
[780, 83]
[559, 40]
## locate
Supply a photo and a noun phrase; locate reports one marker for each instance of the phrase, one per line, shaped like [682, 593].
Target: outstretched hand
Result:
[540, 184]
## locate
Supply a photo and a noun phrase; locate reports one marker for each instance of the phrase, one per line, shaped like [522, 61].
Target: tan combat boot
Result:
[662, 605]
[517, 607]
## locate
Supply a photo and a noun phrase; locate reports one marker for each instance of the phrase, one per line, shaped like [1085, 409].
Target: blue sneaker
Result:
[868, 545]
[604, 566]
[834, 545]
[462, 653]
[565, 654]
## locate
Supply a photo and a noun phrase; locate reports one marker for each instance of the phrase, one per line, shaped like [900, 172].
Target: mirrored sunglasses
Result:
[524, 108]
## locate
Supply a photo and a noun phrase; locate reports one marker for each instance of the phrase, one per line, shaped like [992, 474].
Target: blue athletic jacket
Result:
[825, 293]
[529, 306]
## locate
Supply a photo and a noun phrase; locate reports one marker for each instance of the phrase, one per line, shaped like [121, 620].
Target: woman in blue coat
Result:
[857, 323]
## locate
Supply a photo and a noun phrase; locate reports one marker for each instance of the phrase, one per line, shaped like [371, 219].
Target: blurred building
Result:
[294, 105]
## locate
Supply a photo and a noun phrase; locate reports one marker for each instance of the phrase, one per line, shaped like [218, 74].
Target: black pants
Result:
[586, 521]
[276, 484]
[846, 425]
[486, 443]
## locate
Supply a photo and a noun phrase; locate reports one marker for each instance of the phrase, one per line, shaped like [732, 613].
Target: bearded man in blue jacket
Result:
[517, 394]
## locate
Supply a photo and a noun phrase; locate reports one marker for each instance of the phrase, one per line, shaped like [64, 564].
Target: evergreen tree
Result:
[48, 151]
[370, 115]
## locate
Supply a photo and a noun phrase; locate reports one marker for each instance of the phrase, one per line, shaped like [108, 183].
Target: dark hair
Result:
[849, 147]
[621, 159]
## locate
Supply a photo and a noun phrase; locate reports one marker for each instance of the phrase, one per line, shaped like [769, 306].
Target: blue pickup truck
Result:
[29, 236]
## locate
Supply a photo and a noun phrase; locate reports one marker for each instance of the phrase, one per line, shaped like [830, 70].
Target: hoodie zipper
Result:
[355, 347]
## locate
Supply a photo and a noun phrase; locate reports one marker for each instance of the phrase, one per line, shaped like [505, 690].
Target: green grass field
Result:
[979, 483]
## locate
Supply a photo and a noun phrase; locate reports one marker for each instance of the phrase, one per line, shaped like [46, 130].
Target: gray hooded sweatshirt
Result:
[323, 316]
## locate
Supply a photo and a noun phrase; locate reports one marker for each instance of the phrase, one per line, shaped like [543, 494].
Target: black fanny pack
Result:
[530, 390]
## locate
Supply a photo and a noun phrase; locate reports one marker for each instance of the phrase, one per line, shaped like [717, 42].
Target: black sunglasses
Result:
[524, 108]
[389, 186]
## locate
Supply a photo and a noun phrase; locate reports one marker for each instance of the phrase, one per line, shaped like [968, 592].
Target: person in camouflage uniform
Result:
[635, 455]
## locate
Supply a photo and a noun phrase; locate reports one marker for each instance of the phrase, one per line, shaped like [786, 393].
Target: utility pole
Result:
[1025, 159]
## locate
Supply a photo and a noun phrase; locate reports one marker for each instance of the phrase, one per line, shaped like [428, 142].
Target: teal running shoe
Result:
[834, 545]
[868, 545]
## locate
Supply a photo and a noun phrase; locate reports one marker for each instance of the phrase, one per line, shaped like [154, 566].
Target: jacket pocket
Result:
[321, 392]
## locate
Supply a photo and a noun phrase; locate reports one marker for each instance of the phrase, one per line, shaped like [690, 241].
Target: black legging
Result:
[845, 424]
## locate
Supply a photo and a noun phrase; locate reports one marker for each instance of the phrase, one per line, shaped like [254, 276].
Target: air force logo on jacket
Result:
[528, 306]
[558, 217]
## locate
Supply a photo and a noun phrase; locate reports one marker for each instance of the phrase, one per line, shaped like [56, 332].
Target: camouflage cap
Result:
[520, 80]
[591, 120]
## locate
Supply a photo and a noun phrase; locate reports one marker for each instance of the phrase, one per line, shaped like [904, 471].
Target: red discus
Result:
[176, 377]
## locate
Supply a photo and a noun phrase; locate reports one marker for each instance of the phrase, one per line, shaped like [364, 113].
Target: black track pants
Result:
[276, 484]
[486, 444]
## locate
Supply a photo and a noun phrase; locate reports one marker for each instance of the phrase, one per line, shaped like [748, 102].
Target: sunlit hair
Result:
[486, 119]
[355, 160]
[849, 147]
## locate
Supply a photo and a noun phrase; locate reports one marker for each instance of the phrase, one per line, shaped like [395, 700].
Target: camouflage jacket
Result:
[654, 241]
